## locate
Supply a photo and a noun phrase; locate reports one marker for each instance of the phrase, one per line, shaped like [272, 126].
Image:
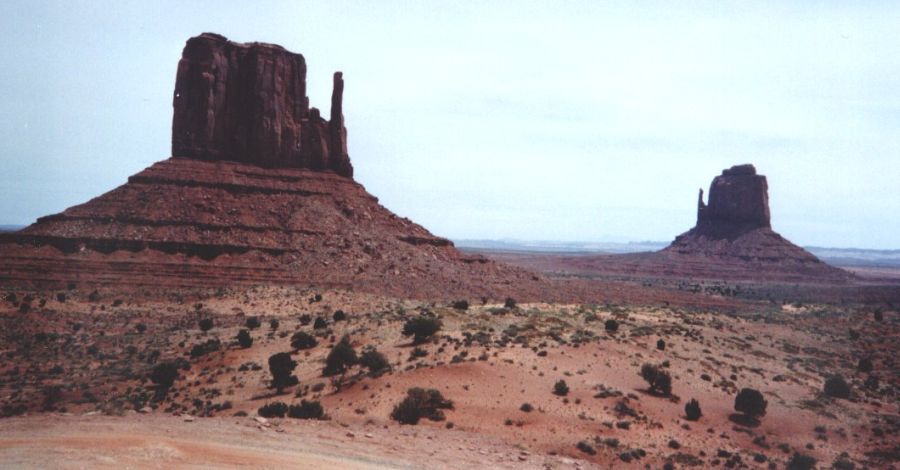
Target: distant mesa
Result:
[738, 203]
[259, 189]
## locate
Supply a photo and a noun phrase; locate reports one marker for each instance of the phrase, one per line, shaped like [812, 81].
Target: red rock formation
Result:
[738, 203]
[258, 190]
[247, 103]
[732, 240]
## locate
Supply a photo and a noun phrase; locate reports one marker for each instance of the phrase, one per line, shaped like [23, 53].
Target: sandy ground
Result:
[161, 441]
[488, 360]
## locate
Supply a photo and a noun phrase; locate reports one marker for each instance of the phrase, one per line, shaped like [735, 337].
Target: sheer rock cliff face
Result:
[247, 103]
[738, 203]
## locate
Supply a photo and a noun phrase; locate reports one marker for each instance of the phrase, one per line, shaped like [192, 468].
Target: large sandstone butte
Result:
[259, 189]
[733, 240]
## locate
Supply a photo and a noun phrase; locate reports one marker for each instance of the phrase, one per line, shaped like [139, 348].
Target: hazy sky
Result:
[580, 121]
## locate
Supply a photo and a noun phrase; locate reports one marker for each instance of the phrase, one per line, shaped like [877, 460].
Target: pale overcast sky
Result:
[577, 121]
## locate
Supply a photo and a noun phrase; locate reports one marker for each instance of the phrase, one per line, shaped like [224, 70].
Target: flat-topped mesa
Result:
[738, 202]
[247, 103]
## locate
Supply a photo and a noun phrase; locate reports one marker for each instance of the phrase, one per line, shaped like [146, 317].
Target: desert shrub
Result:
[864, 365]
[252, 322]
[24, 308]
[586, 448]
[692, 410]
[244, 339]
[274, 323]
[140, 327]
[306, 410]
[203, 349]
[510, 303]
[878, 315]
[659, 380]
[164, 374]
[836, 386]
[205, 324]
[611, 325]
[341, 357]
[750, 402]
[421, 403]
[376, 362]
[461, 304]
[305, 319]
[339, 315]
[276, 409]
[854, 335]
[303, 340]
[421, 328]
[320, 324]
[660, 344]
[61, 297]
[417, 352]
[801, 462]
[561, 388]
[526, 407]
[281, 366]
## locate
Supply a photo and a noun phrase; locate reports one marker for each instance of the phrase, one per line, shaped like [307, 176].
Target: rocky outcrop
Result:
[258, 191]
[738, 203]
[247, 103]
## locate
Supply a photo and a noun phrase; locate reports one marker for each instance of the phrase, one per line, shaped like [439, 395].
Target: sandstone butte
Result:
[259, 189]
[732, 240]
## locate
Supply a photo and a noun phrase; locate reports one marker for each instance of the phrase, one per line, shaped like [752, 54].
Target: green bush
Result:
[244, 339]
[659, 380]
[421, 328]
[837, 387]
[341, 357]
[276, 409]
[561, 388]
[281, 366]
[376, 362]
[306, 410]
[692, 410]
[421, 403]
[303, 340]
[750, 402]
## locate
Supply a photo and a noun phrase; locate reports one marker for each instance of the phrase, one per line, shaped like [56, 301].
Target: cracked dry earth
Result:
[75, 393]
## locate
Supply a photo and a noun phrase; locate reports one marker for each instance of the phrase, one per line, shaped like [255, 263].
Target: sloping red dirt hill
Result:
[259, 190]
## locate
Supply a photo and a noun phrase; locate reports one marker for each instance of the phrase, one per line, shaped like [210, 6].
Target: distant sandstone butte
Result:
[738, 203]
[732, 240]
[247, 103]
[259, 190]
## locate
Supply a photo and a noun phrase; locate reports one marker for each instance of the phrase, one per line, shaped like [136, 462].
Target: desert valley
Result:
[247, 303]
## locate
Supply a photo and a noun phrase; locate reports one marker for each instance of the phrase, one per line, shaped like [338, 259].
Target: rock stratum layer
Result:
[259, 190]
[732, 240]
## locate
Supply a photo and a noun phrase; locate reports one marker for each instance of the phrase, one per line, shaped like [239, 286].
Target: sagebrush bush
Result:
[659, 380]
[611, 325]
[164, 374]
[421, 328]
[837, 387]
[252, 322]
[421, 403]
[750, 402]
[244, 339]
[376, 362]
[281, 366]
[205, 324]
[276, 409]
[306, 410]
[339, 315]
[561, 388]
[303, 340]
[692, 410]
[341, 357]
